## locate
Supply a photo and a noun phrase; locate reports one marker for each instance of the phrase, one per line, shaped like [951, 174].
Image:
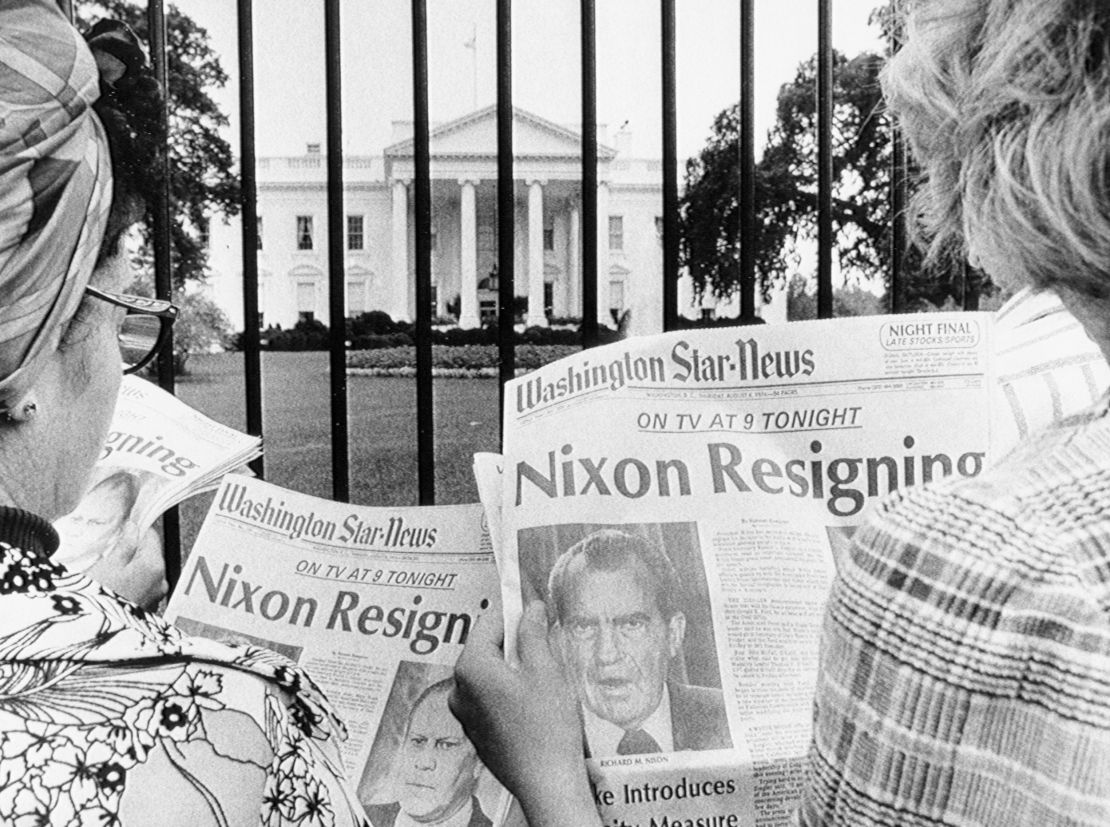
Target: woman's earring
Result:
[20, 413]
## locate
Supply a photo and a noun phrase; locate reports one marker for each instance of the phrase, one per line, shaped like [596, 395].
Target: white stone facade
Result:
[379, 260]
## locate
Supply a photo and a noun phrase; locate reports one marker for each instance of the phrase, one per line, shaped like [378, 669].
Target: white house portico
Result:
[547, 170]
[380, 233]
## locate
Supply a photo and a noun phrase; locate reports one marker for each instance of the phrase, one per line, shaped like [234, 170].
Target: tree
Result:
[786, 183]
[202, 184]
[850, 300]
[786, 190]
[201, 328]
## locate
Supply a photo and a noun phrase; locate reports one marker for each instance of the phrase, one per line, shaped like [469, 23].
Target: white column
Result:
[574, 272]
[468, 256]
[399, 254]
[603, 314]
[536, 316]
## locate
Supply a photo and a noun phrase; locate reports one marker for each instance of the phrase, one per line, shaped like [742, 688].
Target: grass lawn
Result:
[381, 422]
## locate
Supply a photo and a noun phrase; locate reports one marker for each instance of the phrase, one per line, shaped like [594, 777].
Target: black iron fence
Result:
[341, 470]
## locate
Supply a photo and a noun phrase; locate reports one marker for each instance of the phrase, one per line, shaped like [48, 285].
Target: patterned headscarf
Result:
[55, 185]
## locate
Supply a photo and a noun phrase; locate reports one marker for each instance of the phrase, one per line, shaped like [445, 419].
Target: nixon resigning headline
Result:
[411, 617]
[844, 483]
[423, 627]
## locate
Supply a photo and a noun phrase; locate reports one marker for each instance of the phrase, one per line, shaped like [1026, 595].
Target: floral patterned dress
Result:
[110, 716]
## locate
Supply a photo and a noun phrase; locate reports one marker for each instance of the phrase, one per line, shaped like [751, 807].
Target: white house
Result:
[379, 230]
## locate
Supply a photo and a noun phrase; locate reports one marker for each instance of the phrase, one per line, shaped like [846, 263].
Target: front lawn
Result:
[381, 422]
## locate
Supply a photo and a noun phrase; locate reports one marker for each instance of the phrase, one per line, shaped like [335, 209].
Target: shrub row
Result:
[472, 360]
[376, 330]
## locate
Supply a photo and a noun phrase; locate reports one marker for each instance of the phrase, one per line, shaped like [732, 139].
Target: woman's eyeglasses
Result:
[145, 327]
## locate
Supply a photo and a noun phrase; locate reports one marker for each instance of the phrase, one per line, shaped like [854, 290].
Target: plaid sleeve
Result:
[965, 662]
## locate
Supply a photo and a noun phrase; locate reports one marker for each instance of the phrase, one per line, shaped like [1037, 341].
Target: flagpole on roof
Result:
[472, 44]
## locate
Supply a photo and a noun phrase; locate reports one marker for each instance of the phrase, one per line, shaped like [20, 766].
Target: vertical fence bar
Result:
[899, 177]
[824, 159]
[163, 262]
[898, 221]
[589, 174]
[971, 290]
[747, 161]
[248, 195]
[422, 200]
[506, 220]
[670, 167]
[337, 280]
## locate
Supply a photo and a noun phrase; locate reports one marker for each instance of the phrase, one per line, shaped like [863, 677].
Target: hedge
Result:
[470, 360]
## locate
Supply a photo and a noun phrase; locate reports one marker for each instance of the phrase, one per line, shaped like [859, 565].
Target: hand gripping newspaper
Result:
[376, 604]
[679, 501]
[158, 453]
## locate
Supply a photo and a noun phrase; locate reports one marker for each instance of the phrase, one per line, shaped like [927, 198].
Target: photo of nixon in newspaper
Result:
[158, 452]
[105, 518]
[636, 645]
[422, 768]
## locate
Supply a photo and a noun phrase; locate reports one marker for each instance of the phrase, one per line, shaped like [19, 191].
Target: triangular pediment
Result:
[475, 136]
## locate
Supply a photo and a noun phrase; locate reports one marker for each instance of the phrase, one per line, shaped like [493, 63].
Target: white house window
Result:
[204, 235]
[312, 149]
[259, 231]
[356, 297]
[659, 228]
[355, 237]
[304, 232]
[549, 238]
[616, 297]
[616, 232]
[306, 301]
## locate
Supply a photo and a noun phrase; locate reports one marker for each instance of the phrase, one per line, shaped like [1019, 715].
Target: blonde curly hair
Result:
[1006, 106]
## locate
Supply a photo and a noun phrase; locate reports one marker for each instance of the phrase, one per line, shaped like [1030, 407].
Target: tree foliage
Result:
[202, 184]
[786, 196]
[786, 183]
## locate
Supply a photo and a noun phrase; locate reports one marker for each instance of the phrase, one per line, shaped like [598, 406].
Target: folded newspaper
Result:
[679, 500]
[159, 452]
[376, 603]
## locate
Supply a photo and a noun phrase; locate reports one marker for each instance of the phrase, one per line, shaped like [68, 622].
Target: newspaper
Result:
[744, 457]
[376, 604]
[159, 452]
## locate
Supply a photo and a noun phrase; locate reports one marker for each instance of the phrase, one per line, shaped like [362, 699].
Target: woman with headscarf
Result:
[107, 714]
[965, 659]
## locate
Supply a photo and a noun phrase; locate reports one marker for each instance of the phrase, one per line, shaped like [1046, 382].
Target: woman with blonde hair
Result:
[107, 714]
[965, 661]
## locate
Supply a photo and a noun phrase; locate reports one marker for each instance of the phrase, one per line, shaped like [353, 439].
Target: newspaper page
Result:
[376, 604]
[678, 501]
[158, 452]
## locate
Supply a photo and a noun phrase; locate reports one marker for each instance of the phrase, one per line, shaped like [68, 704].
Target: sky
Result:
[377, 64]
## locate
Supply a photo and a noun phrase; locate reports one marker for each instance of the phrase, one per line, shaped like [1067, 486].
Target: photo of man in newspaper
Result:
[618, 623]
[434, 771]
[101, 521]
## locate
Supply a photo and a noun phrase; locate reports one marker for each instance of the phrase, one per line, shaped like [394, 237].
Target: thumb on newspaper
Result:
[487, 637]
[532, 644]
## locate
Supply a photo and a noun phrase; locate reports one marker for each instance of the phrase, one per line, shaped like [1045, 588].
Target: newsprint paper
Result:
[158, 452]
[376, 603]
[678, 501]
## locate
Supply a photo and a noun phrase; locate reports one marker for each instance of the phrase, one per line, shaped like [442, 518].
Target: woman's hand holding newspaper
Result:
[524, 721]
[134, 568]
